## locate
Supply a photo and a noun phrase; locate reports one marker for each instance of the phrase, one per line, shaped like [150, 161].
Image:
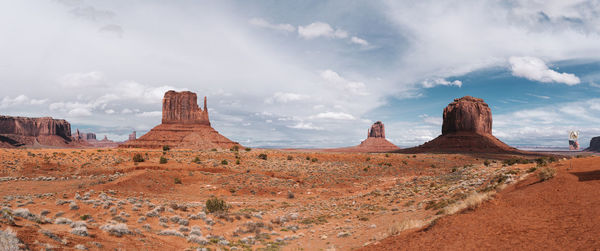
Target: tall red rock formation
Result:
[375, 142]
[184, 125]
[467, 114]
[23, 131]
[466, 127]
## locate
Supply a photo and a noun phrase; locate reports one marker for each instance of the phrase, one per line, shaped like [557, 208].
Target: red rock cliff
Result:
[377, 130]
[182, 108]
[22, 131]
[467, 114]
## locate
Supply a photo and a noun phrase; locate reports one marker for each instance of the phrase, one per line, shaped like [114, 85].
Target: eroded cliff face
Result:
[182, 108]
[467, 114]
[184, 125]
[23, 131]
[377, 130]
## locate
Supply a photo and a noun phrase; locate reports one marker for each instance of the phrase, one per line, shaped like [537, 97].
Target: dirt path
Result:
[562, 213]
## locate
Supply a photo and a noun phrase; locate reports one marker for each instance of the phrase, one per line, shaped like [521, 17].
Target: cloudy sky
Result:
[306, 73]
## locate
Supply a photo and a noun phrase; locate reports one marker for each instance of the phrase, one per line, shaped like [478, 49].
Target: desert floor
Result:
[99, 199]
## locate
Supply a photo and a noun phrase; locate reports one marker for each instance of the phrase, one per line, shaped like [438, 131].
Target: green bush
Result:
[314, 160]
[547, 173]
[486, 162]
[289, 157]
[215, 204]
[234, 148]
[248, 149]
[224, 162]
[237, 161]
[138, 158]
[166, 148]
[177, 180]
[262, 156]
[196, 160]
[162, 160]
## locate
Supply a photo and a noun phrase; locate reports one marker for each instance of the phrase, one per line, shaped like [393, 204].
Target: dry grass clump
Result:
[9, 240]
[471, 202]
[215, 204]
[406, 224]
[118, 230]
[171, 232]
[547, 173]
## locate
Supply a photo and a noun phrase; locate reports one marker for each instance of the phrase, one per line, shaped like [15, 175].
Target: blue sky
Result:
[306, 73]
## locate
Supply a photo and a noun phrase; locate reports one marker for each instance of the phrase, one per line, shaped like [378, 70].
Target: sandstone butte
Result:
[375, 142]
[594, 145]
[184, 125]
[466, 127]
[35, 132]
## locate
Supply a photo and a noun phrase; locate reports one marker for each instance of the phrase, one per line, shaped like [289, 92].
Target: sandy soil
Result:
[562, 213]
[290, 201]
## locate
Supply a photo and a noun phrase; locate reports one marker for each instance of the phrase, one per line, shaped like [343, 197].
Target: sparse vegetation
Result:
[289, 157]
[166, 148]
[177, 180]
[262, 156]
[162, 160]
[547, 173]
[138, 158]
[234, 148]
[248, 149]
[215, 204]
[224, 162]
[486, 162]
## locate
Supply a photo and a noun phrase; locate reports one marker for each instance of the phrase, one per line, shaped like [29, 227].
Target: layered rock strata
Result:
[184, 125]
[23, 131]
[466, 127]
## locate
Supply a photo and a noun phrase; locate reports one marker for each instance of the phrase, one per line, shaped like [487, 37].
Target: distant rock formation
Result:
[375, 142]
[184, 125]
[466, 127]
[42, 132]
[594, 145]
[132, 136]
[89, 140]
[467, 114]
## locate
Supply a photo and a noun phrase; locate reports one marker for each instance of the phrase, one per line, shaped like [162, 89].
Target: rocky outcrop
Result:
[467, 114]
[23, 131]
[466, 128]
[375, 142]
[377, 130]
[184, 125]
[182, 108]
[132, 136]
[594, 145]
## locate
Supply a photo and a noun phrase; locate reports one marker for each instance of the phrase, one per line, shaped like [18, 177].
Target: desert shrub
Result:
[177, 180]
[486, 162]
[237, 161]
[81, 231]
[196, 160]
[9, 240]
[262, 156]
[290, 195]
[387, 155]
[162, 160]
[541, 162]
[85, 217]
[314, 160]
[171, 232]
[547, 173]
[289, 157]
[138, 158]
[368, 158]
[307, 157]
[118, 230]
[6, 216]
[248, 149]
[166, 148]
[62, 220]
[532, 169]
[224, 162]
[215, 204]
[432, 165]
[214, 149]
[552, 159]
[234, 148]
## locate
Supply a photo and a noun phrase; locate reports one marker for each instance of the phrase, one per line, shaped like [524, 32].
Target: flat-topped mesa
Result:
[467, 114]
[377, 130]
[23, 131]
[182, 108]
[594, 145]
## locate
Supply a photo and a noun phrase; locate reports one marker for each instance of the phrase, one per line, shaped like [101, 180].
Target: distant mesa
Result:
[89, 140]
[35, 132]
[375, 142]
[132, 136]
[594, 145]
[184, 125]
[467, 127]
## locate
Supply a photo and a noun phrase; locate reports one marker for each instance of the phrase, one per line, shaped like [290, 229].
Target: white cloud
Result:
[356, 88]
[360, 41]
[20, 100]
[335, 115]
[430, 83]
[109, 111]
[432, 120]
[86, 79]
[535, 69]
[285, 97]
[305, 126]
[320, 29]
[264, 24]
[150, 114]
